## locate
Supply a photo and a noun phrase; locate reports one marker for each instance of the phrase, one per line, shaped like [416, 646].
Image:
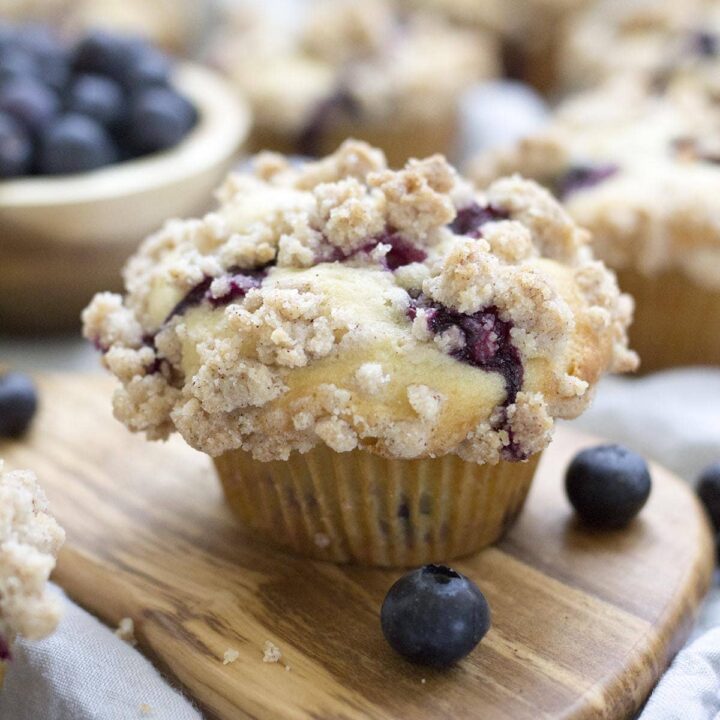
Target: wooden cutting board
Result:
[583, 622]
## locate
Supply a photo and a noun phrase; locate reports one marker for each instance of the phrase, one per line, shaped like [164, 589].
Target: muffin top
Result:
[663, 40]
[340, 302]
[29, 541]
[358, 58]
[637, 168]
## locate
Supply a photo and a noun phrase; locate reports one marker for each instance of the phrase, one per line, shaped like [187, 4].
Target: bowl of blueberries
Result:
[102, 138]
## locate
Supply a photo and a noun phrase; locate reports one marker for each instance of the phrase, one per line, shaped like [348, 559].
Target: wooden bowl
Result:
[63, 239]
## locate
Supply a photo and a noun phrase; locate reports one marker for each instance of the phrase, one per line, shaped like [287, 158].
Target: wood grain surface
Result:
[583, 622]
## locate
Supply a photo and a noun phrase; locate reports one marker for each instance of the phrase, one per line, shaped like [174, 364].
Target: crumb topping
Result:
[352, 59]
[29, 541]
[638, 169]
[664, 42]
[492, 319]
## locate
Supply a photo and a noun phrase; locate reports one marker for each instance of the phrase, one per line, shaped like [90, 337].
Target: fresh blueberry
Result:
[608, 485]
[148, 67]
[75, 144]
[708, 489]
[30, 102]
[17, 63]
[16, 150]
[105, 53]
[18, 403]
[97, 97]
[434, 616]
[40, 41]
[159, 119]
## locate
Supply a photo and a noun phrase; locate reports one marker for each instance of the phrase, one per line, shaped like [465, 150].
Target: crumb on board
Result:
[230, 656]
[322, 540]
[423, 681]
[145, 710]
[271, 652]
[126, 631]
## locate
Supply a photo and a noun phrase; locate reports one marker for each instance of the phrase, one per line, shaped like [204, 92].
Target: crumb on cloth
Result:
[126, 631]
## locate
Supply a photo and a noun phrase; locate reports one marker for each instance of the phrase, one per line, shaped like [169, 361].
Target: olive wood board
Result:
[584, 622]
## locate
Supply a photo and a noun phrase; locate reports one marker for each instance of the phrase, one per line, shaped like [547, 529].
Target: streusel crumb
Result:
[29, 542]
[340, 302]
[126, 631]
[271, 653]
[230, 656]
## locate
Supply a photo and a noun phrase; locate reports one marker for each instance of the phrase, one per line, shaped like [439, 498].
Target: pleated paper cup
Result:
[360, 508]
[399, 139]
[676, 320]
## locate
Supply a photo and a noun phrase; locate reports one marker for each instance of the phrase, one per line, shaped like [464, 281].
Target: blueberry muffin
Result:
[356, 68]
[29, 542]
[659, 40]
[529, 31]
[640, 171]
[375, 359]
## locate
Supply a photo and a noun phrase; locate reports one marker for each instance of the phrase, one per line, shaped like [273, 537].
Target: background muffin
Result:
[354, 69]
[655, 39]
[639, 170]
[29, 542]
[367, 354]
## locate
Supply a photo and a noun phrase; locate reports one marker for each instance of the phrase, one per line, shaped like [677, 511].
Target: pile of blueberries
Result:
[70, 108]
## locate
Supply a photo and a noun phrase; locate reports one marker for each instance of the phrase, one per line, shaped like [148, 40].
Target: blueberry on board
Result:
[708, 489]
[30, 102]
[97, 97]
[159, 119]
[16, 150]
[74, 144]
[608, 485]
[18, 403]
[434, 616]
[105, 53]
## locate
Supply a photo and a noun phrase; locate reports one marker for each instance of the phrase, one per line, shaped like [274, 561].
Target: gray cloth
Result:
[84, 672]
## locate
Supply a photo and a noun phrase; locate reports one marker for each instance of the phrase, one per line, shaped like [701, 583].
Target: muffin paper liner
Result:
[360, 508]
[399, 139]
[676, 320]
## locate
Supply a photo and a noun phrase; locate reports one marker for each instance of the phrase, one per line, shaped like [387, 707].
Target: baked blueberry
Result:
[97, 97]
[18, 404]
[434, 616]
[608, 485]
[159, 119]
[708, 489]
[32, 103]
[16, 151]
[582, 177]
[74, 144]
